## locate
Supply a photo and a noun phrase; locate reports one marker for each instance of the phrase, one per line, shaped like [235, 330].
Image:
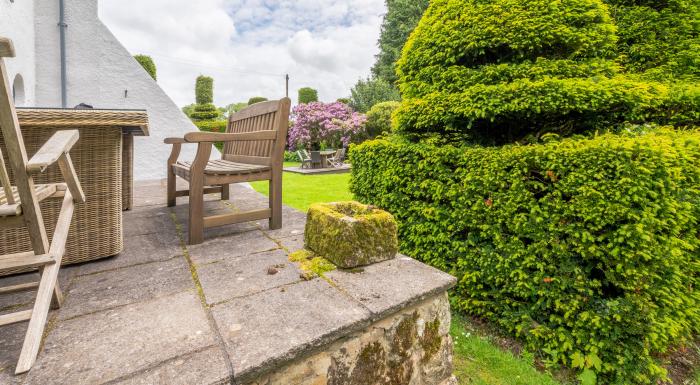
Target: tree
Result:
[529, 68]
[368, 92]
[147, 64]
[334, 124]
[235, 107]
[400, 20]
[307, 95]
[204, 90]
[256, 99]
[379, 118]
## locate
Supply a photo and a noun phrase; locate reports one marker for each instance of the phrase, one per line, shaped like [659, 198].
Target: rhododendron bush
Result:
[331, 124]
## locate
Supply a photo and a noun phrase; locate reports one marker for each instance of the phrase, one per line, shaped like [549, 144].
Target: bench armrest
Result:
[58, 145]
[174, 141]
[198, 137]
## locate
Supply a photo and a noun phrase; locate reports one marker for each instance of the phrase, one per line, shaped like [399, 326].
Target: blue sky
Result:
[248, 45]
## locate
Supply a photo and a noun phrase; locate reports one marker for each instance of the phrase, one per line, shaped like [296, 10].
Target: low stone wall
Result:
[411, 347]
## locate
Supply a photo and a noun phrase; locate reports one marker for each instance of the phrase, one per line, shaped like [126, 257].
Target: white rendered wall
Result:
[16, 23]
[102, 73]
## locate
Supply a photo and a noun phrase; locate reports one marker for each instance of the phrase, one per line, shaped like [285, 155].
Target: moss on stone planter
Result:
[310, 263]
[351, 234]
[431, 340]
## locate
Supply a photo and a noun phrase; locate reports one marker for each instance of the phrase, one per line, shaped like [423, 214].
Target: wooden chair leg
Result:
[225, 192]
[196, 230]
[276, 201]
[57, 297]
[172, 180]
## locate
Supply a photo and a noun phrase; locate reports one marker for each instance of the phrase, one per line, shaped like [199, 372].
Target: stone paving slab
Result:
[110, 345]
[238, 277]
[387, 286]
[237, 245]
[274, 326]
[133, 284]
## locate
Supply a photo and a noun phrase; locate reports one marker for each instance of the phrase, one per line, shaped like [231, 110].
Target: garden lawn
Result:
[300, 191]
[476, 361]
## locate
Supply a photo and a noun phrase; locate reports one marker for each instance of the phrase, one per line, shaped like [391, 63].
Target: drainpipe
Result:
[62, 28]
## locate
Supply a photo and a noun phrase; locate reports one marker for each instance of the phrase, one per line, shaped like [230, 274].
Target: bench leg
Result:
[172, 179]
[225, 192]
[196, 228]
[276, 201]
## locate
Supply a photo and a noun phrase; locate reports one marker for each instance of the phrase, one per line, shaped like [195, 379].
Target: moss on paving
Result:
[310, 263]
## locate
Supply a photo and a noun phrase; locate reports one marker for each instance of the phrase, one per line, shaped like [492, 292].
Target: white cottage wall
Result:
[16, 23]
[102, 73]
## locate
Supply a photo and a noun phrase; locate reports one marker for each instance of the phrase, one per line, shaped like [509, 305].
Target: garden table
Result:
[103, 158]
[325, 154]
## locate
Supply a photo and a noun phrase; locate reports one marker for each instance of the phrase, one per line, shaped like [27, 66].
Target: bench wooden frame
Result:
[19, 206]
[254, 145]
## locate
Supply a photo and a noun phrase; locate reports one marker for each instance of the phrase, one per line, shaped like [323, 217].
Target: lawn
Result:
[477, 360]
[300, 191]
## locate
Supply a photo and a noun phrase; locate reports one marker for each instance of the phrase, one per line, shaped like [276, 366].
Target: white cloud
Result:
[248, 45]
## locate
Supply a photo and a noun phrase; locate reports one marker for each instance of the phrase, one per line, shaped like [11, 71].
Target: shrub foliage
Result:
[506, 70]
[204, 90]
[148, 64]
[368, 92]
[205, 112]
[256, 99]
[307, 95]
[586, 249]
[379, 118]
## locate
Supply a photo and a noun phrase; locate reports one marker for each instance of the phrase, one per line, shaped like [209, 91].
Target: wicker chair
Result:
[253, 150]
[19, 207]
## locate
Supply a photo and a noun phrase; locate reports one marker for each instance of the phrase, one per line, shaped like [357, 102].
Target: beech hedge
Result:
[587, 249]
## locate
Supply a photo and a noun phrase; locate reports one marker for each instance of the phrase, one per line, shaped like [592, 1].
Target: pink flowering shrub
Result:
[333, 124]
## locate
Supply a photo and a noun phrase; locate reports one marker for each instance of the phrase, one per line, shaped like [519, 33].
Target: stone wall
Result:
[412, 347]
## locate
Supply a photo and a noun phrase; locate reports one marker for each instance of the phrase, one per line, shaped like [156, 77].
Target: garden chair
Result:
[316, 159]
[254, 145]
[304, 158]
[338, 159]
[19, 207]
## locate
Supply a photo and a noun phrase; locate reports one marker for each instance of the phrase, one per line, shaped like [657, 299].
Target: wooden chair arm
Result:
[58, 145]
[199, 137]
[174, 141]
[71, 177]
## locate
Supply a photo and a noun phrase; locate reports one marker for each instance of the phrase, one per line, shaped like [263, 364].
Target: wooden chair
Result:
[304, 158]
[19, 206]
[316, 161]
[338, 159]
[253, 150]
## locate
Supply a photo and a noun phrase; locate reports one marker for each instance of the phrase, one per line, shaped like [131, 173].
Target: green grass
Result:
[300, 191]
[477, 361]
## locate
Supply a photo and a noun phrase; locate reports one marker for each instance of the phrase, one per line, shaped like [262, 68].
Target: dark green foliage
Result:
[147, 64]
[213, 126]
[205, 112]
[400, 20]
[188, 109]
[256, 99]
[658, 38]
[368, 92]
[499, 71]
[379, 118]
[344, 100]
[585, 249]
[291, 156]
[204, 90]
[307, 95]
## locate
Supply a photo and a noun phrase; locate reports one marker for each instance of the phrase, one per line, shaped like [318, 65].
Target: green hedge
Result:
[205, 112]
[204, 90]
[256, 99]
[213, 126]
[585, 249]
[148, 64]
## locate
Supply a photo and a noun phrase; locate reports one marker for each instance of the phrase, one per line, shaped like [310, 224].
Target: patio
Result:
[230, 310]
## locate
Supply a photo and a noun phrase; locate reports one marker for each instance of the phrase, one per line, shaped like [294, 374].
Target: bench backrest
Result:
[265, 116]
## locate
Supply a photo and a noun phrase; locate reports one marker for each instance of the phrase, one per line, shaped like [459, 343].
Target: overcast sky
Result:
[248, 45]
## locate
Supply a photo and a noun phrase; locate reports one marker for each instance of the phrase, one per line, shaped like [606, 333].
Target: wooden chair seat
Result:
[219, 167]
[42, 192]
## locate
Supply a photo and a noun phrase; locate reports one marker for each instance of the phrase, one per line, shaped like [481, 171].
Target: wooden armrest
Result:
[6, 47]
[196, 137]
[174, 141]
[60, 143]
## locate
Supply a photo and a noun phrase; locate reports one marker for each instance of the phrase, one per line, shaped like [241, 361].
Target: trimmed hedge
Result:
[379, 118]
[501, 71]
[204, 90]
[213, 126]
[147, 64]
[205, 112]
[307, 95]
[585, 249]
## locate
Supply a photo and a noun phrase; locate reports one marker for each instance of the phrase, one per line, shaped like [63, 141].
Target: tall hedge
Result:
[204, 90]
[499, 71]
[660, 39]
[585, 249]
[307, 95]
[148, 64]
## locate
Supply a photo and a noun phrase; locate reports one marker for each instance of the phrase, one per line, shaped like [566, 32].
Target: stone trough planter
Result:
[351, 234]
